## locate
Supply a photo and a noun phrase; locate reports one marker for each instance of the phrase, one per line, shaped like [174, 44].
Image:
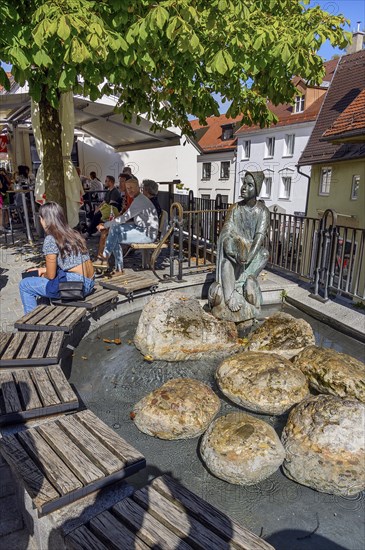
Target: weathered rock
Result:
[324, 441]
[265, 383]
[180, 409]
[331, 372]
[283, 334]
[241, 449]
[173, 327]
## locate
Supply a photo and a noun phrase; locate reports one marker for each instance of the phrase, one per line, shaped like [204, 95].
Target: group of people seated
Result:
[126, 215]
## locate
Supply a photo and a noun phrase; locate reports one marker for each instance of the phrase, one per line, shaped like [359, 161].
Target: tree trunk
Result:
[52, 151]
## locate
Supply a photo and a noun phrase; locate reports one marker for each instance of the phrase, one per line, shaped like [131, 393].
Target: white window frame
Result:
[224, 176]
[227, 132]
[270, 147]
[289, 145]
[299, 103]
[355, 187]
[268, 188]
[246, 148]
[204, 175]
[285, 190]
[325, 181]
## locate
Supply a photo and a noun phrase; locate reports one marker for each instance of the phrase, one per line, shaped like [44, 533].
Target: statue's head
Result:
[251, 185]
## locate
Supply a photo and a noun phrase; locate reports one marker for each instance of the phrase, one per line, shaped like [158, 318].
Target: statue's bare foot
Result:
[234, 303]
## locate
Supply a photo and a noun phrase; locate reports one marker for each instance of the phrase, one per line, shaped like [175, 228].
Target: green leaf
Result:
[19, 58]
[170, 31]
[63, 30]
[42, 59]
[161, 15]
[94, 42]
[285, 53]
[4, 81]
[67, 78]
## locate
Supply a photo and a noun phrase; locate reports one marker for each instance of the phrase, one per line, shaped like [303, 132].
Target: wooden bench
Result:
[23, 349]
[99, 297]
[61, 461]
[32, 393]
[163, 515]
[51, 318]
[130, 282]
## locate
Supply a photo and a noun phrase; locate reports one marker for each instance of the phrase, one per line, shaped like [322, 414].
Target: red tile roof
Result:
[351, 121]
[209, 137]
[348, 82]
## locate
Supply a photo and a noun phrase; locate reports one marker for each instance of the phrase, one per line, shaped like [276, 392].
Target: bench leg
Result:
[146, 258]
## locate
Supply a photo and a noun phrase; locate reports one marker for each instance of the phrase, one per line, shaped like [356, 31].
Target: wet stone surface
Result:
[110, 379]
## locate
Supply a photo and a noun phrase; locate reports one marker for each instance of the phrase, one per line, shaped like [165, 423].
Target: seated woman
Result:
[63, 248]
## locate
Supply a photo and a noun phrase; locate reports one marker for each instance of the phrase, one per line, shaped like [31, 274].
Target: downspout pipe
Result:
[297, 166]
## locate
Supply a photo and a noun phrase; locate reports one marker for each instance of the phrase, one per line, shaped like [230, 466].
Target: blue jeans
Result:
[32, 288]
[123, 233]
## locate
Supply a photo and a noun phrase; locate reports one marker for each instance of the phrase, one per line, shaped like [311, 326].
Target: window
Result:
[225, 170]
[289, 145]
[266, 188]
[355, 188]
[207, 170]
[227, 132]
[299, 104]
[247, 149]
[205, 197]
[224, 199]
[325, 183]
[285, 187]
[270, 147]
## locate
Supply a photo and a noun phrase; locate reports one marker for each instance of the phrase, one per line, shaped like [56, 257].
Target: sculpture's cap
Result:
[258, 178]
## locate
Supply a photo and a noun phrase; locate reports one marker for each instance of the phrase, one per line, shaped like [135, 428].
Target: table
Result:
[25, 209]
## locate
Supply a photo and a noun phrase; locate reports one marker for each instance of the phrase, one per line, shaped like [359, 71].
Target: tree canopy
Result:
[165, 59]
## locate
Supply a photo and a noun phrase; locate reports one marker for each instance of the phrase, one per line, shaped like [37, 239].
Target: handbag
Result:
[60, 288]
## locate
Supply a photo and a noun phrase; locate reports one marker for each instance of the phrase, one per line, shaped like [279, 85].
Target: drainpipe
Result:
[297, 166]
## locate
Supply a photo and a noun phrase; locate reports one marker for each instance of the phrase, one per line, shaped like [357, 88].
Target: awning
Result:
[96, 118]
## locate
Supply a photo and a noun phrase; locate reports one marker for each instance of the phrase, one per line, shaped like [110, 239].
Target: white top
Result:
[144, 215]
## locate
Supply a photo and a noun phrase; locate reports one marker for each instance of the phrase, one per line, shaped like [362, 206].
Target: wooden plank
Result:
[103, 297]
[29, 316]
[36, 484]
[28, 392]
[83, 539]
[60, 319]
[70, 453]
[150, 530]
[26, 350]
[55, 345]
[147, 246]
[44, 387]
[53, 467]
[110, 439]
[14, 346]
[53, 313]
[41, 345]
[41, 315]
[61, 385]
[77, 314]
[10, 394]
[96, 451]
[208, 515]
[177, 520]
[5, 337]
[114, 533]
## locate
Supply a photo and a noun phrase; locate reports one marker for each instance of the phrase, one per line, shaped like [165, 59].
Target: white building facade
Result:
[216, 175]
[276, 152]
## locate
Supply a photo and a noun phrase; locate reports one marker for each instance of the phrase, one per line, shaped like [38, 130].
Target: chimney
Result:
[357, 40]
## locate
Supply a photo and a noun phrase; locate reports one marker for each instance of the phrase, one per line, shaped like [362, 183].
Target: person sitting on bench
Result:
[150, 190]
[143, 229]
[112, 198]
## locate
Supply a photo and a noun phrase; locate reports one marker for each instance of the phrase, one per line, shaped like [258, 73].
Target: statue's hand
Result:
[234, 303]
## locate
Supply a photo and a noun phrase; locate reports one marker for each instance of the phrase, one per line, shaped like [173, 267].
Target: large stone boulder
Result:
[180, 409]
[241, 449]
[262, 382]
[283, 334]
[331, 372]
[324, 441]
[173, 327]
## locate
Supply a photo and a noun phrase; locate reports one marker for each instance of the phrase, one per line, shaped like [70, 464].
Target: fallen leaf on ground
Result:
[116, 341]
[148, 357]
[83, 357]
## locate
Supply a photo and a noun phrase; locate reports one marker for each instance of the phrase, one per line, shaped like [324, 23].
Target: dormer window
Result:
[227, 132]
[299, 103]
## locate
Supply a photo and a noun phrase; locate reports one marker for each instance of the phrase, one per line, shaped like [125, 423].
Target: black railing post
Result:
[325, 251]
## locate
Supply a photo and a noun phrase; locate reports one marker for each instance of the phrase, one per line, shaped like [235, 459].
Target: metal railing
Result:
[328, 256]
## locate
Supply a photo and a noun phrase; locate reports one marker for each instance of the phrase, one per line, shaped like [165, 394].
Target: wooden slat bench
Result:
[167, 516]
[130, 282]
[30, 348]
[51, 318]
[61, 461]
[99, 297]
[32, 393]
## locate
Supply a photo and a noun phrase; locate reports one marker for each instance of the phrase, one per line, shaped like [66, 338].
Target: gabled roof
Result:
[350, 123]
[209, 137]
[348, 82]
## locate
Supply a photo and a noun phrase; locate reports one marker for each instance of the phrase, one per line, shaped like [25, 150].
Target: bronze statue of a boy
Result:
[236, 295]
